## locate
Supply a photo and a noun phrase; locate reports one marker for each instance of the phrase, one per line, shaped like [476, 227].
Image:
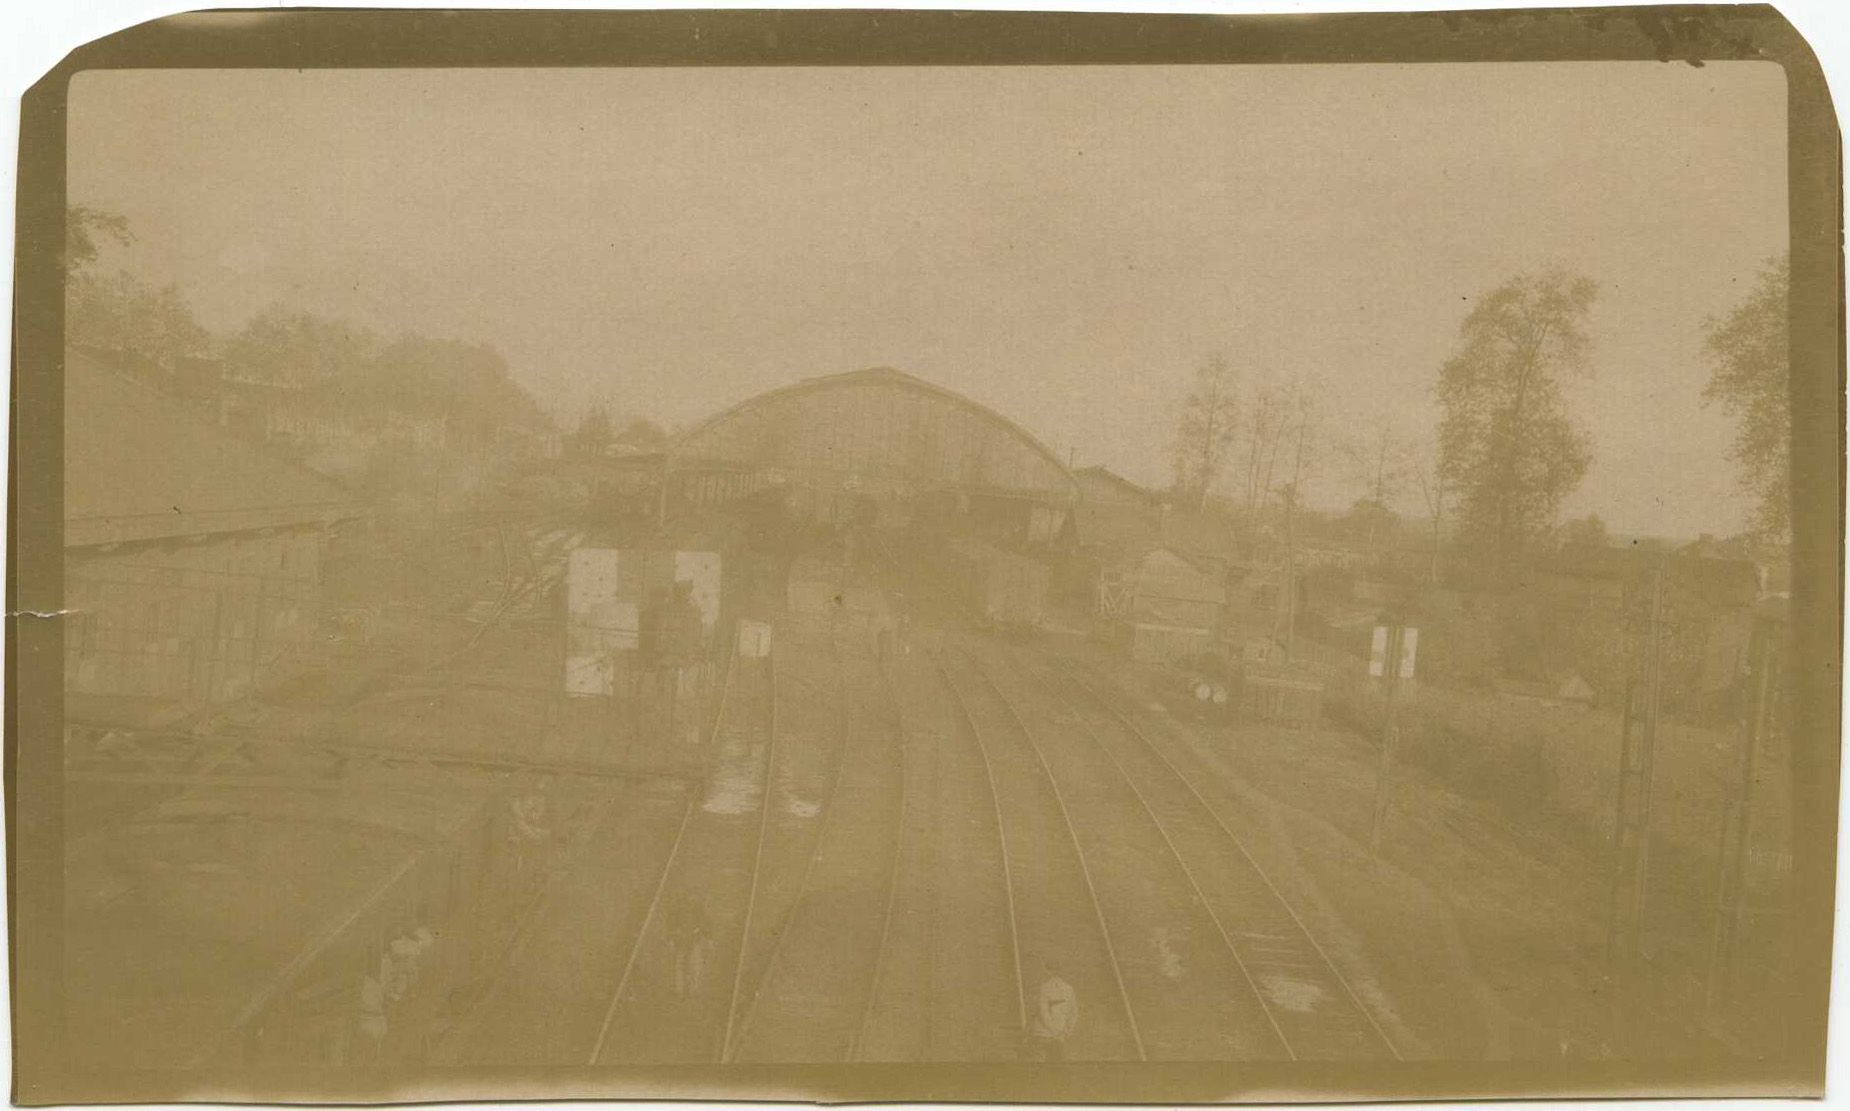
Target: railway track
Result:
[1314, 1010]
[665, 1006]
[1057, 923]
[858, 1049]
[812, 997]
[514, 581]
[1183, 975]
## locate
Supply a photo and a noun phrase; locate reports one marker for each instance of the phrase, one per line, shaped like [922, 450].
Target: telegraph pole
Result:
[1632, 812]
[1391, 659]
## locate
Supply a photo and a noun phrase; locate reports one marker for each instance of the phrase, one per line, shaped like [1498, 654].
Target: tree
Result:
[116, 311]
[1379, 460]
[1307, 437]
[120, 313]
[1747, 356]
[294, 348]
[84, 227]
[1433, 492]
[1204, 434]
[1585, 532]
[1371, 519]
[1268, 410]
[1507, 444]
[594, 435]
[641, 434]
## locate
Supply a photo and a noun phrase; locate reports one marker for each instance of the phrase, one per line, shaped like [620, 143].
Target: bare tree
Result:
[1286, 401]
[1267, 410]
[1306, 437]
[1431, 479]
[1379, 458]
[1204, 433]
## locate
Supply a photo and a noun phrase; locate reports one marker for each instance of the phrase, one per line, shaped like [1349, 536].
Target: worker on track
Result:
[690, 937]
[1056, 1014]
[370, 1049]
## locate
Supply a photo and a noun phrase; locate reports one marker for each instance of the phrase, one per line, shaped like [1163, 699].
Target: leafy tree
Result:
[1507, 444]
[116, 311]
[462, 381]
[296, 348]
[594, 435]
[1747, 358]
[84, 227]
[1370, 520]
[1588, 531]
[1205, 431]
[121, 313]
[642, 434]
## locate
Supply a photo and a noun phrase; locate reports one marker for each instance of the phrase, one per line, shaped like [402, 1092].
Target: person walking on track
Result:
[372, 1023]
[1056, 1014]
[691, 938]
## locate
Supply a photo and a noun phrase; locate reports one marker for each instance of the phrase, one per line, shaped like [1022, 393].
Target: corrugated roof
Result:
[139, 466]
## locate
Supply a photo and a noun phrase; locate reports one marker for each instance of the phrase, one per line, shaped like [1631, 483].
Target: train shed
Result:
[877, 445]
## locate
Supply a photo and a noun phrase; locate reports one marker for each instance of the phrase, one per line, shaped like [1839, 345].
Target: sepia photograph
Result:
[808, 547]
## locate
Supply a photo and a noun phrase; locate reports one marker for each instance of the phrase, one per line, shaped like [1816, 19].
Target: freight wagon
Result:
[997, 589]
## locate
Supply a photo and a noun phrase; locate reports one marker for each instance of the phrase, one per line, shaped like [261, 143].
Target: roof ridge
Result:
[168, 401]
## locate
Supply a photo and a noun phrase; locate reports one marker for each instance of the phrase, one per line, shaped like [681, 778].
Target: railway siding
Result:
[712, 878]
[811, 998]
[949, 990]
[1316, 1009]
[1057, 918]
[1182, 971]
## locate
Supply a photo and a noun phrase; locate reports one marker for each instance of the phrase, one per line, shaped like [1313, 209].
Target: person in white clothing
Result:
[1056, 1013]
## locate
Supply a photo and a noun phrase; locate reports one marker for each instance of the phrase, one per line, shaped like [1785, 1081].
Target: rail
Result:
[764, 821]
[1085, 870]
[1008, 871]
[892, 882]
[1240, 847]
[730, 1048]
[1174, 853]
[642, 931]
[667, 872]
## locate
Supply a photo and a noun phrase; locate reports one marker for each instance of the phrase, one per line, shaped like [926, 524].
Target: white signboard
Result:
[599, 623]
[1378, 652]
[605, 591]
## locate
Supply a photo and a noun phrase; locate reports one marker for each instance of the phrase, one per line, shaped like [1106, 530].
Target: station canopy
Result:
[878, 429]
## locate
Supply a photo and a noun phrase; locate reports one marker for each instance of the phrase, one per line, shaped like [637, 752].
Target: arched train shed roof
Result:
[879, 425]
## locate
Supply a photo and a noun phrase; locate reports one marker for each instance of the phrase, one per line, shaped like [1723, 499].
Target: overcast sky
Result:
[1064, 244]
